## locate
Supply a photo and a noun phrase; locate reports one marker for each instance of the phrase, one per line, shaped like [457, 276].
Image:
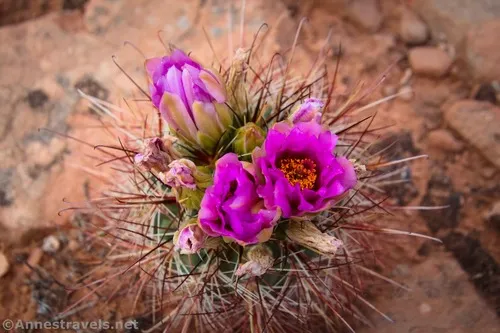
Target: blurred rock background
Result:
[449, 84]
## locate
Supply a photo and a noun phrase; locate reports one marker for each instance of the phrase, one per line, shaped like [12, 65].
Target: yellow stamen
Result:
[299, 170]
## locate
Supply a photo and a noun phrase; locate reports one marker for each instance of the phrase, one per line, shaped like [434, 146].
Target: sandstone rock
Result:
[365, 14]
[477, 122]
[454, 18]
[4, 264]
[444, 140]
[482, 51]
[412, 29]
[429, 61]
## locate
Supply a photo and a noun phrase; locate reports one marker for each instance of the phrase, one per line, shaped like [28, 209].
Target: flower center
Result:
[299, 170]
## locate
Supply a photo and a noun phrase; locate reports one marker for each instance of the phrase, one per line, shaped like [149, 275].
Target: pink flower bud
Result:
[310, 110]
[190, 98]
[181, 174]
[190, 239]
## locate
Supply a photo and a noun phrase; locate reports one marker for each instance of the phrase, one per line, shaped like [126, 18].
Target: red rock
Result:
[430, 61]
[454, 18]
[482, 51]
[477, 122]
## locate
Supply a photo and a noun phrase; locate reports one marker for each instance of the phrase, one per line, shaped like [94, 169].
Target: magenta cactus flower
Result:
[298, 169]
[231, 207]
[189, 97]
[310, 110]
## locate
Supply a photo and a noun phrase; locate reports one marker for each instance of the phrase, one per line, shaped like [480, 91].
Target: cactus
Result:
[273, 263]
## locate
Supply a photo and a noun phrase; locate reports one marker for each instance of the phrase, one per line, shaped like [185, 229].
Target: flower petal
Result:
[224, 116]
[214, 86]
[334, 176]
[173, 110]
[206, 119]
[231, 207]
[152, 65]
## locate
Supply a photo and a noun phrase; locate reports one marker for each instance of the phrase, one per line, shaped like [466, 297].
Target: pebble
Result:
[365, 14]
[430, 61]
[51, 244]
[4, 264]
[412, 29]
[444, 140]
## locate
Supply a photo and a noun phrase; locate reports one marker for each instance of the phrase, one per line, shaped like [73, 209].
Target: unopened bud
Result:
[248, 138]
[181, 174]
[310, 110]
[190, 97]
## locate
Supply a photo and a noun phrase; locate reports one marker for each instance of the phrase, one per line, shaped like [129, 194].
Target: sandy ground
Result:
[455, 287]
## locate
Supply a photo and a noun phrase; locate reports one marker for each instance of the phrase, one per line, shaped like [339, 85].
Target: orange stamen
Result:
[299, 170]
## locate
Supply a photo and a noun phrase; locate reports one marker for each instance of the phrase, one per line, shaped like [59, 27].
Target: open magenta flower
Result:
[298, 170]
[189, 97]
[231, 207]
